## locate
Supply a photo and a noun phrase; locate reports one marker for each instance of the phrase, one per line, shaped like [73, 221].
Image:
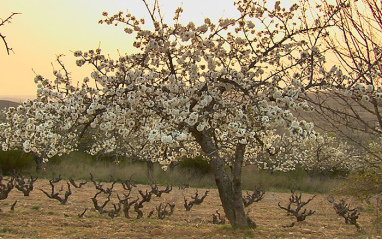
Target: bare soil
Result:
[37, 216]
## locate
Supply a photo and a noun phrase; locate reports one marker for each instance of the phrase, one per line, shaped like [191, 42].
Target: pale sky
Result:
[47, 28]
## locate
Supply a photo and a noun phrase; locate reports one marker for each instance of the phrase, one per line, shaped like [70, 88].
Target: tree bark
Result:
[224, 185]
[39, 162]
[229, 191]
[241, 218]
[150, 170]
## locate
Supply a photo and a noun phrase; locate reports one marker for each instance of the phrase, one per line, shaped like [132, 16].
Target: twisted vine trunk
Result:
[229, 189]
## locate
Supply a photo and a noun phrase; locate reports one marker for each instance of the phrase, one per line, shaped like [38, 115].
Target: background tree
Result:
[218, 89]
[319, 156]
[366, 184]
[44, 126]
[353, 109]
[284, 154]
[328, 156]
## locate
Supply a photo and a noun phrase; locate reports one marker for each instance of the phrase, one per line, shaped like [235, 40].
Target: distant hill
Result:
[8, 103]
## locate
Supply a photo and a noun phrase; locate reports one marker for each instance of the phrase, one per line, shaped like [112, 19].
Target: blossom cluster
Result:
[329, 154]
[37, 128]
[320, 155]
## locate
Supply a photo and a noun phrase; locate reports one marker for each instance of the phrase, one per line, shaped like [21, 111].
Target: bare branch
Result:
[157, 192]
[350, 215]
[126, 204]
[21, 185]
[81, 215]
[128, 184]
[2, 23]
[55, 195]
[162, 210]
[99, 186]
[217, 218]
[13, 206]
[295, 199]
[71, 180]
[256, 196]
[196, 201]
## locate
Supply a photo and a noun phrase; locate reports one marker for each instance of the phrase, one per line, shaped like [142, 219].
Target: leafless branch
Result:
[217, 218]
[13, 206]
[21, 185]
[256, 196]
[196, 200]
[100, 208]
[99, 186]
[128, 184]
[162, 211]
[2, 23]
[126, 204]
[55, 195]
[146, 197]
[350, 215]
[157, 192]
[71, 180]
[295, 200]
[5, 188]
[81, 215]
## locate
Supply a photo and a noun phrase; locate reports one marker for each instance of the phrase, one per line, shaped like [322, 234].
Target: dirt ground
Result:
[37, 216]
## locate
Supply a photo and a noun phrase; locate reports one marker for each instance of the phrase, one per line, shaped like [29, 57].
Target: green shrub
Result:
[14, 160]
[284, 181]
[197, 165]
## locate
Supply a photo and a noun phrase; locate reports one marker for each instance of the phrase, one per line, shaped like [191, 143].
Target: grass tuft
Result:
[35, 207]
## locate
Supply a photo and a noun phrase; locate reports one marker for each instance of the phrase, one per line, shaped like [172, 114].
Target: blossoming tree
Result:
[49, 125]
[353, 109]
[329, 155]
[38, 128]
[317, 156]
[218, 89]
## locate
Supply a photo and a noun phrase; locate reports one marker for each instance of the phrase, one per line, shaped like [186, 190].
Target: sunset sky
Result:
[47, 28]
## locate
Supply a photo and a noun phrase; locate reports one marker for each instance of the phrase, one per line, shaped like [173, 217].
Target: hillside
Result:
[8, 103]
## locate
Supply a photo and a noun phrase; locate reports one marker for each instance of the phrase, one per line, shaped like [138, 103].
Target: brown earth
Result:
[37, 216]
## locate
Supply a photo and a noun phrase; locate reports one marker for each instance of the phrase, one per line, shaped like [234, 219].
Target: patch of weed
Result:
[6, 230]
[35, 207]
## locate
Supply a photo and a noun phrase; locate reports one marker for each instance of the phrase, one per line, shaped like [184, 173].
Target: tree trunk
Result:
[150, 170]
[39, 162]
[236, 171]
[224, 185]
[229, 191]
[172, 166]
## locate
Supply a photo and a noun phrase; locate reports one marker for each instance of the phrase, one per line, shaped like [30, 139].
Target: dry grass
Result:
[37, 216]
[79, 166]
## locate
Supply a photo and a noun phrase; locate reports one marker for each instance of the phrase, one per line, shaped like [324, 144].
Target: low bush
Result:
[197, 165]
[14, 160]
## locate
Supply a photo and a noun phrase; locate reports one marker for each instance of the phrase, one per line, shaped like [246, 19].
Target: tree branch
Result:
[2, 23]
